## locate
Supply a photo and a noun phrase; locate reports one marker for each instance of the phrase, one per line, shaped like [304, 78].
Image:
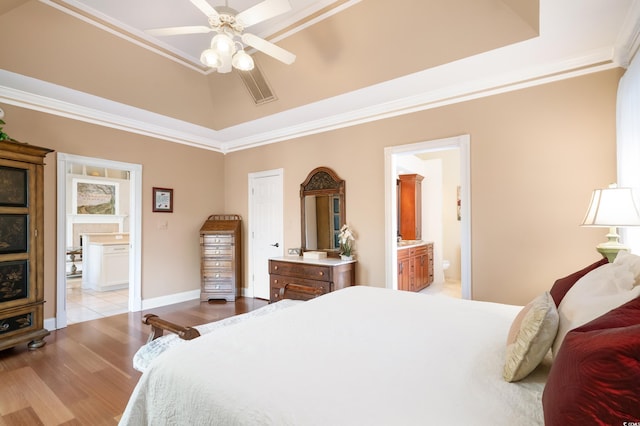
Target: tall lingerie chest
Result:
[221, 258]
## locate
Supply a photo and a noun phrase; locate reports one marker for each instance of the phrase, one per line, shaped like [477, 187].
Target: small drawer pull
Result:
[321, 273]
[275, 267]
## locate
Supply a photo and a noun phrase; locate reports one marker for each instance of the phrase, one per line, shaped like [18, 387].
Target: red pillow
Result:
[562, 285]
[595, 378]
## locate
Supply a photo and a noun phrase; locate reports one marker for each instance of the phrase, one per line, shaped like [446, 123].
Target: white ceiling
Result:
[576, 37]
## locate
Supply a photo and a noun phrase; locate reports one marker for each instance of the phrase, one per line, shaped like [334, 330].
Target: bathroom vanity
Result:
[415, 265]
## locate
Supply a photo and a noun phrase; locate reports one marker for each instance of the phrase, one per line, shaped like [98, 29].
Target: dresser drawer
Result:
[216, 264]
[217, 239]
[278, 282]
[217, 252]
[217, 286]
[216, 275]
[18, 321]
[300, 270]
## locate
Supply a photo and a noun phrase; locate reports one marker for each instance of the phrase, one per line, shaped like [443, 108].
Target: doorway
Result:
[110, 232]
[266, 236]
[393, 162]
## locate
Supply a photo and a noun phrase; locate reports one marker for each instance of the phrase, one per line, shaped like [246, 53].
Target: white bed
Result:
[358, 356]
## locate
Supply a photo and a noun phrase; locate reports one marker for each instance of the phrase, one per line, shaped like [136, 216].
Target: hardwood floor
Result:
[84, 374]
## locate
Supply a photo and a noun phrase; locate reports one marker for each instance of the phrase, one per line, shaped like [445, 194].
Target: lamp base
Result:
[611, 248]
[610, 252]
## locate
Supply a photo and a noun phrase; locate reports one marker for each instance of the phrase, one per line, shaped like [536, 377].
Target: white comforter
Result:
[358, 356]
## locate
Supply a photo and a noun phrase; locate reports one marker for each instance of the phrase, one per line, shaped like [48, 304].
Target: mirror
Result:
[322, 210]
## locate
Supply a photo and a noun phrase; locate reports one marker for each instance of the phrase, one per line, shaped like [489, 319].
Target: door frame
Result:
[135, 229]
[463, 143]
[279, 173]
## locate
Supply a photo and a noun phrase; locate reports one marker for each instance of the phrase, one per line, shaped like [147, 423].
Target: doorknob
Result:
[276, 245]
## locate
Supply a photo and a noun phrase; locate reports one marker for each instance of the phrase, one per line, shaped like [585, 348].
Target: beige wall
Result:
[536, 155]
[170, 258]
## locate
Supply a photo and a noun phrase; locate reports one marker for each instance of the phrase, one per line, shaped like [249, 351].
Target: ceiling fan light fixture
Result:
[242, 61]
[223, 44]
[211, 58]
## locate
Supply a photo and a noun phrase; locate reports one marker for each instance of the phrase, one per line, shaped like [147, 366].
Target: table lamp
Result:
[612, 207]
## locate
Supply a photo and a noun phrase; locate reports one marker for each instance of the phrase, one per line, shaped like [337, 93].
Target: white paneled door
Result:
[265, 227]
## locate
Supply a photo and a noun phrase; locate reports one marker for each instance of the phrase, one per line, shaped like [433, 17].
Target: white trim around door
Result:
[461, 142]
[135, 229]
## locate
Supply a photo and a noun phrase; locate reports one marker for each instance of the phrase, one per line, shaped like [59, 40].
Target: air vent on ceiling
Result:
[257, 85]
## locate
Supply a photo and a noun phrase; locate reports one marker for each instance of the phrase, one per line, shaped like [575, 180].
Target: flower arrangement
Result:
[3, 135]
[346, 238]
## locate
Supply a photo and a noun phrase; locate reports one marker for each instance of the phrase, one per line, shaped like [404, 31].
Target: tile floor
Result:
[87, 304]
[449, 288]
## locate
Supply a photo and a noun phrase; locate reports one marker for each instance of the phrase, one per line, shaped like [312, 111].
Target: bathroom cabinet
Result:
[415, 267]
[410, 206]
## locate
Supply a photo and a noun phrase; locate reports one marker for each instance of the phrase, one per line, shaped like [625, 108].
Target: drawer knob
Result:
[217, 275]
[275, 267]
[217, 263]
[321, 273]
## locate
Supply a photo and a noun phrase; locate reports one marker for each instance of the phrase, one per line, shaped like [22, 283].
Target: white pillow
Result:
[598, 292]
[631, 261]
[530, 337]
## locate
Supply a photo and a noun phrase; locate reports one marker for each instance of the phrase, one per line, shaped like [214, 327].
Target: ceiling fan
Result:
[229, 25]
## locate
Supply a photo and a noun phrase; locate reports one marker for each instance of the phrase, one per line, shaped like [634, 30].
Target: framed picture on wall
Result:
[95, 197]
[163, 200]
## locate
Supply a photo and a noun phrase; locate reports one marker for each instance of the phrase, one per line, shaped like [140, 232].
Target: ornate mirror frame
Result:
[321, 181]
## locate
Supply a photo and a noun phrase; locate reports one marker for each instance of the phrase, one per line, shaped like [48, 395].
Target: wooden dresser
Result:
[21, 245]
[221, 258]
[415, 267]
[302, 279]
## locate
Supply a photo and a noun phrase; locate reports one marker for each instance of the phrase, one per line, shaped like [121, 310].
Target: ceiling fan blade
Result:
[263, 11]
[269, 48]
[205, 8]
[195, 29]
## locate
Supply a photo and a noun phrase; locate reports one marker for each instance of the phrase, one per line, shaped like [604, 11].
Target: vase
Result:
[345, 257]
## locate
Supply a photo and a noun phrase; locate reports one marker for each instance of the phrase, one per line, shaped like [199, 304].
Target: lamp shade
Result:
[242, 61]
[612, 207]
[223, 44]
[211, 58]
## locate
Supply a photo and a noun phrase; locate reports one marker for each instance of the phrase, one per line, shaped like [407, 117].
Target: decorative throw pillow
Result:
[562, 285]
[530, 337]
[601, 290]
[594, 378]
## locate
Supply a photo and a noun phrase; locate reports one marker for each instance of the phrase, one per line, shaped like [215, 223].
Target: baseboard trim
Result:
[158, 302]
[50, 324]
